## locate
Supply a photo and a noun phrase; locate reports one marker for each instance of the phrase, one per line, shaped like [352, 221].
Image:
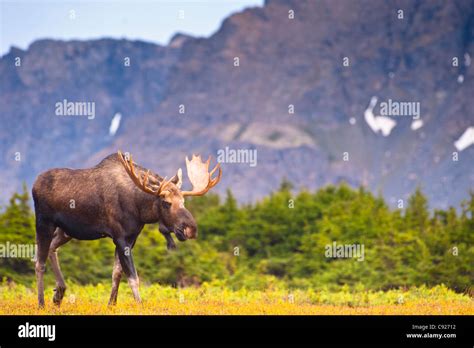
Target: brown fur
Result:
[99, 202]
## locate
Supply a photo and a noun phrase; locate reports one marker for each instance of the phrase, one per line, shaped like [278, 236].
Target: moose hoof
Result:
[58, 295]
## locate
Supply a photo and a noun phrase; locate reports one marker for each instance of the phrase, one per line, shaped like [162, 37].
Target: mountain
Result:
[304, 83]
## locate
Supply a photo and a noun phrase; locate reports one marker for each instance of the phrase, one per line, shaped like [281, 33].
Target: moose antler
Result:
[142, 183]
[200, 177]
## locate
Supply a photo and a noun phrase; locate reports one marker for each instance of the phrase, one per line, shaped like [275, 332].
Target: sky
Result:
[23, 22]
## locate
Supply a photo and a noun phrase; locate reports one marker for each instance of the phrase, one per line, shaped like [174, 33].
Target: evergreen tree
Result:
[17, 228]
[416, 215]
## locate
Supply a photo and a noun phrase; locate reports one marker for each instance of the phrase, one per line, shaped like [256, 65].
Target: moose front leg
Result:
[116, 277]
[124, 250]
[170, 244]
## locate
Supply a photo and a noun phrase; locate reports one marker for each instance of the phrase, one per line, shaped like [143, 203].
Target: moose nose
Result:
[190, 232]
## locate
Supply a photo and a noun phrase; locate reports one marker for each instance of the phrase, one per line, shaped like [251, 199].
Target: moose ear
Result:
[178, 178]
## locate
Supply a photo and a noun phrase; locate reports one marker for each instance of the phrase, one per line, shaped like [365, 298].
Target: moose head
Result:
[169, 204]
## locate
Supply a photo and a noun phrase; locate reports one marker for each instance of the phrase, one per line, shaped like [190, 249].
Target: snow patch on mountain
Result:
[115, 124]
[378, 123]
[465, 140]
[416, 124]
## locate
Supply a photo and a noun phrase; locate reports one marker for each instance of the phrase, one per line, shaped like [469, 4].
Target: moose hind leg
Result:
[44, 235]
[60, 238]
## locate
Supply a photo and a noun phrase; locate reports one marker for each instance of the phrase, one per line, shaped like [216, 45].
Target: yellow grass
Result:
[208, 300]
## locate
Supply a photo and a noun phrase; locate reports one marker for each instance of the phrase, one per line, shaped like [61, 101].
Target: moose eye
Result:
[166, 204]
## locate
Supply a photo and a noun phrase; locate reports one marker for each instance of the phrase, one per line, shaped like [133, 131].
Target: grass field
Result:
[209, 300]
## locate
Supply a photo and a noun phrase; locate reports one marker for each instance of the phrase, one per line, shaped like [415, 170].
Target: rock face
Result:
[293, 89]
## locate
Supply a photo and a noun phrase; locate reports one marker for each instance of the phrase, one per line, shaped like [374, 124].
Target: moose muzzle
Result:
[186, 232]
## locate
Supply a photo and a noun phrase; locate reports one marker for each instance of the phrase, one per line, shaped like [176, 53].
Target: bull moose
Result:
[114, 199]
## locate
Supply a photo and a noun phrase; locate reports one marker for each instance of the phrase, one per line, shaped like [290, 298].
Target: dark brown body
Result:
[102, 201]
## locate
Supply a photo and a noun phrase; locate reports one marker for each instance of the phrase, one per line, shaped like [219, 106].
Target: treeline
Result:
[281, 241]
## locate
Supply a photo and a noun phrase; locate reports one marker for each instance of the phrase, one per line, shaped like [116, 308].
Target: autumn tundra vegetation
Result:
[267, 258]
